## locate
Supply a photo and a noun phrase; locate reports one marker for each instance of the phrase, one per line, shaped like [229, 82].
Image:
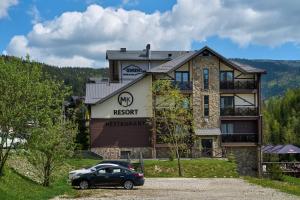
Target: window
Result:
[206, 106]
[226, 76]
[182, 76]
[205, 78]
[227, 102]
[227, 128]
[116, 170]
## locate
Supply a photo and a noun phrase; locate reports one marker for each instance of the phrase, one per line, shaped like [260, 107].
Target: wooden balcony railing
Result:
[239, 137]
[239, 111]
[245, 84]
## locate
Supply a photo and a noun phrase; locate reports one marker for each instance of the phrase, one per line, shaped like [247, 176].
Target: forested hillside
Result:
[281, 75]
[71, 76]
[282, 119]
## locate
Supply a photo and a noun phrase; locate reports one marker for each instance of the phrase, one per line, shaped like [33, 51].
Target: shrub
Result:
[275, 172]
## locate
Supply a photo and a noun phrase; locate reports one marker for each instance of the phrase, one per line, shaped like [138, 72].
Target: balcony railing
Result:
[239, 111]
[245, 84]
[239, 137]
[185, 86]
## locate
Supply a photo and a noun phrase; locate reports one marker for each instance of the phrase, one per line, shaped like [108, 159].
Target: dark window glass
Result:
[227, 102]
[226, 76]
[182, 76]
[205, 78]
[227, 128]
[206, 105]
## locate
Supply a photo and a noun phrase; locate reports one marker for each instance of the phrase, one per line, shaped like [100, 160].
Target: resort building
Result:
[225, 96]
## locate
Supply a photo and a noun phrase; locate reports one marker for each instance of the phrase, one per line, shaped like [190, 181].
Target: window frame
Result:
[206, 105]
[181, 76]
[206, 78]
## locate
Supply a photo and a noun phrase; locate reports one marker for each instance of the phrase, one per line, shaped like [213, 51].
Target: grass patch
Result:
[289, 184]
[18, 187]
[198, 168]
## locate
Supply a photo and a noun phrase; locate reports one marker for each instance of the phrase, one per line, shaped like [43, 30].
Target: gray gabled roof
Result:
[179, 61]
[99, 92]
[141, 55]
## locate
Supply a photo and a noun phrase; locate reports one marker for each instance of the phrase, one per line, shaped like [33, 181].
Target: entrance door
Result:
[207, 147]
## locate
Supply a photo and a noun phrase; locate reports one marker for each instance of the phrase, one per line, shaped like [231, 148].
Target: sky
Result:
[78, 32]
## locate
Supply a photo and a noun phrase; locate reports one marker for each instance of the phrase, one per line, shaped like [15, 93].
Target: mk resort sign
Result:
[125, 99]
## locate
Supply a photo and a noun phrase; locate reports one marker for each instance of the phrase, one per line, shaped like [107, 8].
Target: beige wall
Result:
[251, 98]
[237, 74]
[142, 95]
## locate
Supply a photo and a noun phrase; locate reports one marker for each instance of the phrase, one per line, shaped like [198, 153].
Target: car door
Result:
[102, 176]
[117, 176]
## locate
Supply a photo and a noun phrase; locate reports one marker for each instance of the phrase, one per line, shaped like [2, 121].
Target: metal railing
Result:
[239, 137]
[245, 84]
[185, 85]
[239, 111]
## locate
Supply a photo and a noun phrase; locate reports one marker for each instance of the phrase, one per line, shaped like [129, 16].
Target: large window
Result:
[205, 78]
[182, 76]
[226, 76]
[227, 128]
[206, 106]
[227, 102]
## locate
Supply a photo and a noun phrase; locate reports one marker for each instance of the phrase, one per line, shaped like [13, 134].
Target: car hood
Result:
[80, 171]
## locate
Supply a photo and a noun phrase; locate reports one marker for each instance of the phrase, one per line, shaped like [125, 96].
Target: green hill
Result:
[281, 75]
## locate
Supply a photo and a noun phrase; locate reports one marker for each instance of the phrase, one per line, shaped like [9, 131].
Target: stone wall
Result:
[115, 152]
[246, 158]
[212, 64]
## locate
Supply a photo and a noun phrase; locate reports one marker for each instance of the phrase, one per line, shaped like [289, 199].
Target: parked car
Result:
[89, 169]
[109, 176]
[119, 162]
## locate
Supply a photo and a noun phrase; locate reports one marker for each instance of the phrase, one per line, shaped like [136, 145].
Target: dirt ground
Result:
[188, 188]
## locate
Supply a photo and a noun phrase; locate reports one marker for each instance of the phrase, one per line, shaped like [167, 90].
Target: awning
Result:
[208, 131]
[281, 149]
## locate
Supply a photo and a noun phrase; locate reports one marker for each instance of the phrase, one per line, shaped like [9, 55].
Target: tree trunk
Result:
[179, 163]
[47, 172]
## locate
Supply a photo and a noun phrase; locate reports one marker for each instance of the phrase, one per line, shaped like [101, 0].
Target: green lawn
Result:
[200, 168]
[14, 186]
[289, 185]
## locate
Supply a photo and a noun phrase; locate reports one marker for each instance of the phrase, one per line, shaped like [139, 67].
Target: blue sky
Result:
[77, 32]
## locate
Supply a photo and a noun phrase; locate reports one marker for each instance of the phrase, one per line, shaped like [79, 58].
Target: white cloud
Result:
[4, 6]
[35, 15]
[81, 38]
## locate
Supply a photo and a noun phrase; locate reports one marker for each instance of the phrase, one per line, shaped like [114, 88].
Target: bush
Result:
[275, 172]
[231, 157]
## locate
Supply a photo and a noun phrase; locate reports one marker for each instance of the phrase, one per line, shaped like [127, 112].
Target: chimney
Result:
[122, 49]
[148, 51]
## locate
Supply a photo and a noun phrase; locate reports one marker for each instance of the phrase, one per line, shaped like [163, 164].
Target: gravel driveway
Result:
[189, 188]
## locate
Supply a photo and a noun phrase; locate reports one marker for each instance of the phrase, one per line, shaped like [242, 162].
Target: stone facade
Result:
[246, 159]
[115, 152]
[212, 64]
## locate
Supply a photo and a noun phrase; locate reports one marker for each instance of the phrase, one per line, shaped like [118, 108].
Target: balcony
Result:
[183, 86]
[238, 85]
[239, 111]
[239, 138]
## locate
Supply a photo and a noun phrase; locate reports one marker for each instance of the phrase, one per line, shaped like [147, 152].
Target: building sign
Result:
[131, 71]
[125, 99]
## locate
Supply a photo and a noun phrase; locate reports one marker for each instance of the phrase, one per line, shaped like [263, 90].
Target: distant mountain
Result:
[281, 75]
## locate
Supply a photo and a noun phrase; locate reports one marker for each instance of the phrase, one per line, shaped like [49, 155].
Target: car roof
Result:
[118, 166]
[115, 161]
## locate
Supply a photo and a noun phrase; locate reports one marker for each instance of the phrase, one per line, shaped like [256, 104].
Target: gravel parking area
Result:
[189, 188]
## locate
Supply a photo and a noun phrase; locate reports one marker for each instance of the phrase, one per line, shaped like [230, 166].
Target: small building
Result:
[225, 96]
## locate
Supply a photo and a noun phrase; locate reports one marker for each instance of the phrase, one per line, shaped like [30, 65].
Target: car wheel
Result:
[128, 185]
[84, 185]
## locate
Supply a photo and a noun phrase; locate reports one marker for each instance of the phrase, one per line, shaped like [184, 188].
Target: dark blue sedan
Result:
[109, 176]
